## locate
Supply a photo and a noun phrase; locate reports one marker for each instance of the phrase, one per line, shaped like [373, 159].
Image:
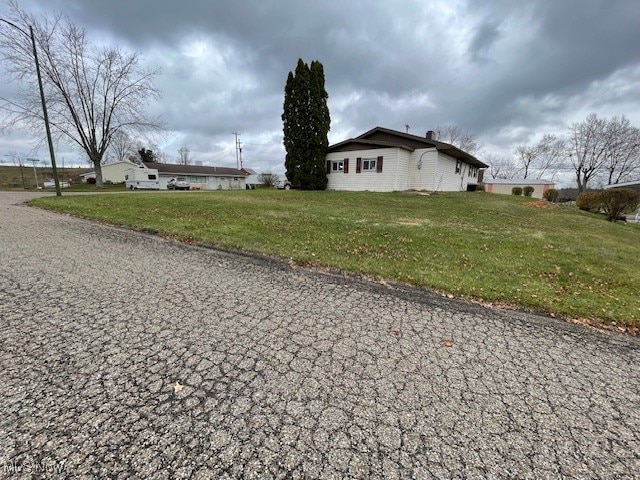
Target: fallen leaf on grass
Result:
[395, 332]
[177, 388]
[448, 343]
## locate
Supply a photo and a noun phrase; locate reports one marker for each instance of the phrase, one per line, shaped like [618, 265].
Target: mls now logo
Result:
[32, 466]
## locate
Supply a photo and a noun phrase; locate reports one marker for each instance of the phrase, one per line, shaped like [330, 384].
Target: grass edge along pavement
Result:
[496, 249]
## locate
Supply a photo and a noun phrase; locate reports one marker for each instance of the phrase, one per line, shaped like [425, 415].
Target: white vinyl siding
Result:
[114, 172]
[365, 180]
[206, 182]
[448, 178]
[400, 171]
[423, 178]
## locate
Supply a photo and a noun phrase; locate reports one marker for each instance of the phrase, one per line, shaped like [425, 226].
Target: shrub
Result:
[91, 180]
[616, 201]
[516, 191]
[550, 195]
[589, 201]
[528, 190]
[480, 187]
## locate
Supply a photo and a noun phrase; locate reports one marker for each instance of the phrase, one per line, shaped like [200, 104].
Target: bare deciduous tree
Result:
[623, 151]
[552, 152]
[526, 155]
[122, 147]
[502, 167]
[588, 144]
[268, 179]
[184, 156]
[458, 137]
[544, 157]
[92, 93]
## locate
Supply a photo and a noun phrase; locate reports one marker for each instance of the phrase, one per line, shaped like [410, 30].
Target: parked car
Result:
[283, 184]
[178, 183]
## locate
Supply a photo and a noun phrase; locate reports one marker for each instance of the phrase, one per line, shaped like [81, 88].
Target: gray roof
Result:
[174, 169]
[518, 181]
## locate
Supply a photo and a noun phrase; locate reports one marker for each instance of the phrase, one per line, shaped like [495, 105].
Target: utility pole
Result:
[237, 150]
[44, 103]
[24, 185]
[240, 150]
[35, 173]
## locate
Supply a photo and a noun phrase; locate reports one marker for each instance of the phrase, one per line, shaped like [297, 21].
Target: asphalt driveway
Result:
[124, 355]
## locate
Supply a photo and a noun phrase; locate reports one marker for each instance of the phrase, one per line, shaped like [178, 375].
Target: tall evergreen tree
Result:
[306, 124]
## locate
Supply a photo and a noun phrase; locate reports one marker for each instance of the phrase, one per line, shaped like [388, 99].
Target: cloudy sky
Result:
[506, 70]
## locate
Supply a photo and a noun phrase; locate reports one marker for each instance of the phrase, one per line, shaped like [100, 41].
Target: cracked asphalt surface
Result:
[125, 355]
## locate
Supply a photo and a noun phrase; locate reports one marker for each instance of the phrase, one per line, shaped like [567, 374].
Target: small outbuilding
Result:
[504, 186]
[111, 172]
[633, 185]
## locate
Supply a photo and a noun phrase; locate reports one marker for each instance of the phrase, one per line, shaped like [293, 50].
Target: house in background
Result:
[504, 186]
[200, 177]
[111, 172]
[634, 185]
[384, 160]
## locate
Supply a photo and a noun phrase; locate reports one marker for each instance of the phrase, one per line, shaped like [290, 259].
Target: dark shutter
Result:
[328, 167]
[379, 165]
[346, 165]
[358, 165]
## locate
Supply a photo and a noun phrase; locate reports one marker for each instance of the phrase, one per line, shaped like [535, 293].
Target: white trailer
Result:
[142, 178]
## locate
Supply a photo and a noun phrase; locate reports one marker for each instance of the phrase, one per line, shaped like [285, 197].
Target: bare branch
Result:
[92, 93]
[502, 167]
[458, 137]
[184, 156]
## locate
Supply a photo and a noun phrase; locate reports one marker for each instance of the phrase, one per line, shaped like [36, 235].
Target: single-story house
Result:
[633, 185]
[111, 172]
[200, 177]
[384, 160]
[504, 186]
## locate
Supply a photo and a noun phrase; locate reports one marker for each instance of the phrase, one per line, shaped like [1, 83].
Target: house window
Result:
[337, 166]
[458, 166]
[194, 179]
[368, 164]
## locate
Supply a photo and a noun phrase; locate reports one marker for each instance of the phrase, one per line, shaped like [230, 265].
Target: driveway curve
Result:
[125, 355]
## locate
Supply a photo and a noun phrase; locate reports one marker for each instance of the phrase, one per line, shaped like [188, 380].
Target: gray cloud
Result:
[508, 71]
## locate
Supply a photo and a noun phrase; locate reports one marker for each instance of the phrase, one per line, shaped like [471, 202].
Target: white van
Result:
[142, 178]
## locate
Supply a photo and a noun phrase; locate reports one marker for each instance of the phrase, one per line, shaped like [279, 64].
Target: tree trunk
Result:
[579, 182]
[97, 167]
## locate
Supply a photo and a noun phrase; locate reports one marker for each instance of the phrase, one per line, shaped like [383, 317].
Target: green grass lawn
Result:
[492, 248]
